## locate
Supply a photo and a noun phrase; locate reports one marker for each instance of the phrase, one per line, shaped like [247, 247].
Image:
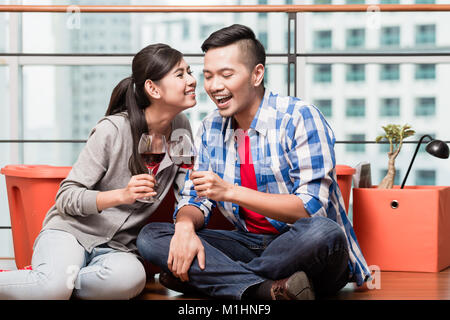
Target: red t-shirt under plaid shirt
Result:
[255, 222]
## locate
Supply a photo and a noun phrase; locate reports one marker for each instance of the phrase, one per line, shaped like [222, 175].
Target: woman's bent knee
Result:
[120, 277]
[49, 287]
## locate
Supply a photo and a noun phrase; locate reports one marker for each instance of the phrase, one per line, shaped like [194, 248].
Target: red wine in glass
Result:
[183, 153]
[186, 162]
[152, 160]
[152, 148]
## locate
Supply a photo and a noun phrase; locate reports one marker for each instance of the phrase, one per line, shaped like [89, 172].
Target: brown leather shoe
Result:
[295, 287]
[171, 282]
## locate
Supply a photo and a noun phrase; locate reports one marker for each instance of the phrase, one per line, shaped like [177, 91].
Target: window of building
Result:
[322, 73]
[425, 71]
[425, 2]
[390, 72]
[356, 72]
[355, 108]
[425, 106]
[263, 38]
[390, 36]
[324, 106]
[389, 1]
[384, 148]
[426, 34]
[355, 38]
[425, 177]
[322, 1]
[354, 1]
[390, 107]
[322, 39]
[356, 147]
[186, 29]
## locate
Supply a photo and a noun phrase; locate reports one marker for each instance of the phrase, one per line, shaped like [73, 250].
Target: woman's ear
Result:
[152, 89]
[258, 75]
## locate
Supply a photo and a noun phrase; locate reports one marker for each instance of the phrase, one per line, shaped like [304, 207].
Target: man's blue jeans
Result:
[237, 260]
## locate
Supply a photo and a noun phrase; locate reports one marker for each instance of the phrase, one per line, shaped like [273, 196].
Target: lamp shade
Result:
[438, 149]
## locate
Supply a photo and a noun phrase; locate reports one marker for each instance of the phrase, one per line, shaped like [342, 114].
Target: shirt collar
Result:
[259, 122]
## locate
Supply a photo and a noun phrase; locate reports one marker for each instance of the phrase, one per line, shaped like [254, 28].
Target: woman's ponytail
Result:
[138, 127]
[117, 101]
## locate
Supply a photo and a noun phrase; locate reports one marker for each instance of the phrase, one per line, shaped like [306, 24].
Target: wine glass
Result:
[152, 148]
[183, 153]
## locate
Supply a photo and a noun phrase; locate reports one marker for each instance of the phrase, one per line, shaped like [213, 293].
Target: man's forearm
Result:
[190, 216]
[282, 207]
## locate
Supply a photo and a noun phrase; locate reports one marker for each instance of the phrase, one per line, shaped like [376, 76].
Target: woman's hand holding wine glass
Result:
[139, 186]
[152, 148]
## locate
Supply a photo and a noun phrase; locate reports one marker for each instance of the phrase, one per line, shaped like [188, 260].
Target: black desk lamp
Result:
[436, 148]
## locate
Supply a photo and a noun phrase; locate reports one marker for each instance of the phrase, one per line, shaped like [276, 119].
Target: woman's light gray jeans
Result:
[63, 268]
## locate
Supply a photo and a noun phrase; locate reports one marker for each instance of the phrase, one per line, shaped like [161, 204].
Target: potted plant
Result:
[395, 134]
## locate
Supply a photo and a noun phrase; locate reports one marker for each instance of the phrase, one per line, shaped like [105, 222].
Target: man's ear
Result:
[258, 75]
[152, 89]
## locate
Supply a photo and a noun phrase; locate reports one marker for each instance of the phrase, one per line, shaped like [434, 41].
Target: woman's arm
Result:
[77, 195]
[140, 186]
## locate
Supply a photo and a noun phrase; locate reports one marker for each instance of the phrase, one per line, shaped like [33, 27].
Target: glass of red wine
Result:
[152, 148]
[183, 153]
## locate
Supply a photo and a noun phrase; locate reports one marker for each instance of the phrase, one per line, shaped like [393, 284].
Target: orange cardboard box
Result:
[404, 229]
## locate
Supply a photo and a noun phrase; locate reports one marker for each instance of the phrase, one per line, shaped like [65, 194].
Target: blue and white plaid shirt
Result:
[292, 148]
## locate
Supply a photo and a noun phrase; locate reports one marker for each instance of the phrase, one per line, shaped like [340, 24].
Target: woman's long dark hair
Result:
[153, 63]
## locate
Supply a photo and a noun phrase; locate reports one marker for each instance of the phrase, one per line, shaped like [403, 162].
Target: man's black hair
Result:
[250, 46]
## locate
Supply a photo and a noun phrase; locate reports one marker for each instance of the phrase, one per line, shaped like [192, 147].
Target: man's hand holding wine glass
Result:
[210, 185]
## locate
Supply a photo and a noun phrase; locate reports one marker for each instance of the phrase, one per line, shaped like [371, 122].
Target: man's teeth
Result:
[221, 98]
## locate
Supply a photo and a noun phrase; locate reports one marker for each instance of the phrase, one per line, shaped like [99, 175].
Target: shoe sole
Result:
[299, 287]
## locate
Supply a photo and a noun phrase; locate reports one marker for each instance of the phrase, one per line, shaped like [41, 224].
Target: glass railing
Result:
[364, 66]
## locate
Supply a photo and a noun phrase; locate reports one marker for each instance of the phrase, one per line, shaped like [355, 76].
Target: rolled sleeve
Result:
[190, 202]
[89, 205]
[312, 157]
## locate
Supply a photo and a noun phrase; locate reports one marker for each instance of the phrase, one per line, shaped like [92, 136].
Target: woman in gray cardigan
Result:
[86, 248]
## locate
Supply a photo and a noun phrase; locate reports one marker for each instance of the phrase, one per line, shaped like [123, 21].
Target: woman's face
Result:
[177, 87]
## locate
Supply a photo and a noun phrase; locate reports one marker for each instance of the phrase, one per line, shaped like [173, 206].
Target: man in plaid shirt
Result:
[268, 163]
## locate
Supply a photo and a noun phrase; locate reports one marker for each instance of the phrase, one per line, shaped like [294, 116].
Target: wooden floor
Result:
[391, 286]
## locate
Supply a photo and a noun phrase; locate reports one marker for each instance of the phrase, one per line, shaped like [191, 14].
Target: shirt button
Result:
[108, 238]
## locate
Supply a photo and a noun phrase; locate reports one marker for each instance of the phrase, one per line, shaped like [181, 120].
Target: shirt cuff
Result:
[190, 202]
[89, 205]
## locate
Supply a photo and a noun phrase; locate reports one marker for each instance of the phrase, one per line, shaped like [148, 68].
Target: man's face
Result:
[228, 80]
